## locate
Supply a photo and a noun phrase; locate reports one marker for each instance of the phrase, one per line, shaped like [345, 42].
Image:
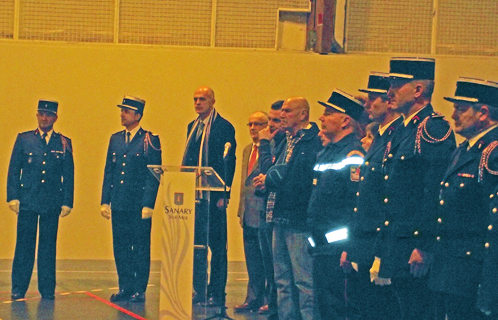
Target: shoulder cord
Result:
[422, 133]
[484, 163]
[147, 142]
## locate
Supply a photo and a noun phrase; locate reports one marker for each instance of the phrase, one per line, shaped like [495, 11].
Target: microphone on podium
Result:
[228, 145]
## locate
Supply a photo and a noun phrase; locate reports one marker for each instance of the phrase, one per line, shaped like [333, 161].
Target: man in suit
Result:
[251, 208]
[210, 143]
[376, 302]
[461, 241]
[40, 188]
[414, 163]
[130, 190]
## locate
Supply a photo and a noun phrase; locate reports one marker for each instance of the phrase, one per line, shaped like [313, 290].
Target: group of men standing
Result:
[403, 230]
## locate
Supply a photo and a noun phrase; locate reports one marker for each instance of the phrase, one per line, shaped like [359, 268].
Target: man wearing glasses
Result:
[251, 208]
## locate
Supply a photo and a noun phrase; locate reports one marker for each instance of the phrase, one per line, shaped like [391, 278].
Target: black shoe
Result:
[120, 296]
[198, 298]
[138, 297]
[16, 296]
[48, 296]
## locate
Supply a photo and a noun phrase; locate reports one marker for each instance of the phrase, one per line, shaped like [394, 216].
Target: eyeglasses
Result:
[256, 124]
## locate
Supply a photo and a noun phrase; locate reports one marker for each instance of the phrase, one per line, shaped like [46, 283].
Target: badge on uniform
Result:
[354, 173]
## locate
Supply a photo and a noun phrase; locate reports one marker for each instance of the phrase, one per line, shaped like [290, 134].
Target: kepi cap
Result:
[133, 103]
[49, 106]
[378, 82]
[412, 68]
[344, 103]
[472, 91]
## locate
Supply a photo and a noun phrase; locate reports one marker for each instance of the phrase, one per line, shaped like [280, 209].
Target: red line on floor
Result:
[115, 306]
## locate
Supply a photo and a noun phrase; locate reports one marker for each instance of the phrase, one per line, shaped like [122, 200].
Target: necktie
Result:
[44, 138]
[200, 129]
[128, 134]
[462, 148]
[252, 160]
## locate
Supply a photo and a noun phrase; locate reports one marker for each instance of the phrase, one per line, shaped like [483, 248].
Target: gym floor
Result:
[83, 291]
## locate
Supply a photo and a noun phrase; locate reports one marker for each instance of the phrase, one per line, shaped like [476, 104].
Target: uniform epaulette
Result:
[484, 163]
[422, 133]
[65, 144]
[148, 141]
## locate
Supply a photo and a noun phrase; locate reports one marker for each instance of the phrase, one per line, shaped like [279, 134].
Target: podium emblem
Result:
[178, 198]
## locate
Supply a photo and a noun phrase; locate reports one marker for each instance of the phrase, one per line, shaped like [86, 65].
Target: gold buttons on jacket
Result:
[367, 163]
[494, 210]
[468, 253]
[402, 158]
[486, 245]
[491, 196]
[462, 185]
[439, 220]
[446, 184]
[415, 233]
[390, 155]
[355, 209]
[386, 223]
[490, 227]
[378, 229]
[362, 178]
[358, 193]
[441, 202]
[438, 238]
[386, 177]
[386, 200]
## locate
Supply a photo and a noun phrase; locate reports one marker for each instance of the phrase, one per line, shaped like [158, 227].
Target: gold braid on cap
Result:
[484, 163]
[422, 133]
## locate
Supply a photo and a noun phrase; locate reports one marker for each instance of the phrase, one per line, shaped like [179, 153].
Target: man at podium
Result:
[210, 143]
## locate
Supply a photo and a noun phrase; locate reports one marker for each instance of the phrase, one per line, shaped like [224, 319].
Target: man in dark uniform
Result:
[414, 163]
[40, 188]
[462, 222]
[211, 143]
[336, 175]
[376, 302]
[130, 190]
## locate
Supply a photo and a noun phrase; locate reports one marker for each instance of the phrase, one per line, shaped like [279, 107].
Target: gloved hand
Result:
[65, 210]
[14, 206]
[105, 211]
[147, 213]
[374, 274]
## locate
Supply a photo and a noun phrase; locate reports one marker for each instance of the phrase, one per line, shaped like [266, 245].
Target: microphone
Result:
[228, 145]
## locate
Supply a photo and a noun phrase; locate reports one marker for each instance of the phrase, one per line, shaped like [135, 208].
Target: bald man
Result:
[290, 182]
[207, 136]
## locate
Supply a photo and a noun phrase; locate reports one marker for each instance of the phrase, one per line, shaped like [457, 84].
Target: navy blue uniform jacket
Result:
[41, 176]
[128, 183]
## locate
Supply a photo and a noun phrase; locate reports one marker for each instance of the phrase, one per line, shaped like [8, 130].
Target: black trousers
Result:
[265, 240]
[216, 240]
[415, 298]
[131, 243]
[24, 257]
[255, 268]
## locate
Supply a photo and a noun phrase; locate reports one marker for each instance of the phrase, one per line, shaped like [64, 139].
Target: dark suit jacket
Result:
[250, 205]
[41, 176]
[222, 132]
[413, 168]
[128, 183]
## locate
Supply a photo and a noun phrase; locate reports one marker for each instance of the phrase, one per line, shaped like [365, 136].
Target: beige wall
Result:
[89, 80]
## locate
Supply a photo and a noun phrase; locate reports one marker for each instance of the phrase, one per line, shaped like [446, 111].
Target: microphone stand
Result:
[222, 311]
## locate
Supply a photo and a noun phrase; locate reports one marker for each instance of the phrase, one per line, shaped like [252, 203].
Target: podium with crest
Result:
[183, 186]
